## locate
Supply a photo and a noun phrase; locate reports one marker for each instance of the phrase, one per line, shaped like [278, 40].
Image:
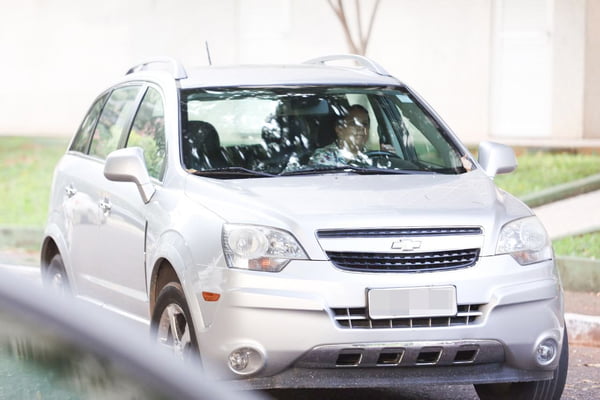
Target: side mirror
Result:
[496, 158]
[128, 165]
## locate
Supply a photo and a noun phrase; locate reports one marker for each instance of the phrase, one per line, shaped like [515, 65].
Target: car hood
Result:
[306, 204]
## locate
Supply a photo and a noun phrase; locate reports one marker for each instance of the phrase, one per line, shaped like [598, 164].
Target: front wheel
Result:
[172, 325]
[55, 275]
[539, 390]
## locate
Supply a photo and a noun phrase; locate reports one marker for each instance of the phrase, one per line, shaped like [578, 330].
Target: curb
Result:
[583, 329]
[563, 191]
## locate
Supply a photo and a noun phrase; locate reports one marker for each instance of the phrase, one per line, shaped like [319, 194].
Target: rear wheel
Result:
[172, 325]
[539, 390]
[55, 275]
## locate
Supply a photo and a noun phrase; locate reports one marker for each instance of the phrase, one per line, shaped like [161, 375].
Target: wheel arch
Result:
[172, 259]
[162, 274]
[167, 263]
[49, 249]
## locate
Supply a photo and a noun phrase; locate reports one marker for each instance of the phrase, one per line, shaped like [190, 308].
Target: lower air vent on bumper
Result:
[404, 354]
[358, 318]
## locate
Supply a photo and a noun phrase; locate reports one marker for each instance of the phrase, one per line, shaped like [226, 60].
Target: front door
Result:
[120, 271]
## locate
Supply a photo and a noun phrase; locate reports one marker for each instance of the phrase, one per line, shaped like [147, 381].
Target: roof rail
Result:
[162, 64]
[364, 61]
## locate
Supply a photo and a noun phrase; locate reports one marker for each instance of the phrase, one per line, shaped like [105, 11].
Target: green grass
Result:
[26, 167]
[587, 246]
[541, 170]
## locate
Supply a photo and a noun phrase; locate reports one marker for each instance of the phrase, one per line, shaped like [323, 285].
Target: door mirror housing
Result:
[128, 165]
[496, 158]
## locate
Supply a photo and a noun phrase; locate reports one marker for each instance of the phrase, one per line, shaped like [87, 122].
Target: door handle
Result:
[70, 190]
[105, 206]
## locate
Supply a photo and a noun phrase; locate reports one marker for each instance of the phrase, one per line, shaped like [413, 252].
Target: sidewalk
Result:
[572, 216]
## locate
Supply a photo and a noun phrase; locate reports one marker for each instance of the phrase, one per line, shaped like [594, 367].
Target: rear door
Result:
[89, 190]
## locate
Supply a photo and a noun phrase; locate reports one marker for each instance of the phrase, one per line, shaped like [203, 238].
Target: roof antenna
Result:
[207, 52]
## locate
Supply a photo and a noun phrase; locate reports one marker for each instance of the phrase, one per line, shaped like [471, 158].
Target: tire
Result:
[55, 276]
[172, 325]
[539, 390]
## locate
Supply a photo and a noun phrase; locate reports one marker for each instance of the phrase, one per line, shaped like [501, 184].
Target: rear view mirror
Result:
[496, 158]
[127, 165]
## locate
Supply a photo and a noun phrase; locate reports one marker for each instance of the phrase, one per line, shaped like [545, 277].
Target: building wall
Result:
[442, 50]
[56, 56]
[591, 120]
[520, 98]
[568, 64]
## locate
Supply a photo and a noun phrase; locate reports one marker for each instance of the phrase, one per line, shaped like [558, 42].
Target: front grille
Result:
[404, 262]
[358, 318]
[376, 233]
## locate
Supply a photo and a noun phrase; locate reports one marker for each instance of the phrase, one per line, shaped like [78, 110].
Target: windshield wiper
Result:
[230, 173]
[352, 169]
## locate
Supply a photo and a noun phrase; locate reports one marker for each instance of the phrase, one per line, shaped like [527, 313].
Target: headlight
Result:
[259, 248]
[525, 240]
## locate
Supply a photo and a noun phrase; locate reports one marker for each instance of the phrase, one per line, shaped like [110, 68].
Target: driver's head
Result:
[352, 129]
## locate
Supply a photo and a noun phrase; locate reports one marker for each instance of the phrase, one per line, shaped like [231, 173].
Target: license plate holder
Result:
[414, 302]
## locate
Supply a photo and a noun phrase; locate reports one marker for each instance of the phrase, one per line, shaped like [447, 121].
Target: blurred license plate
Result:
[418, 302]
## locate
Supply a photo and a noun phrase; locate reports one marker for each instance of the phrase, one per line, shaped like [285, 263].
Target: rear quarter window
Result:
[81, 142]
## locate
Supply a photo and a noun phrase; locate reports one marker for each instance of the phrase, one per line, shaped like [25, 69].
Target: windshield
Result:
[265, 132]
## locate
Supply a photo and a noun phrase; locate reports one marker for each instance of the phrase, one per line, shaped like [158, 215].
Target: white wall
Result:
[568, 69]
[56, 56]
[442, 50]
[521, 96]
[591, 124]
[62, 53]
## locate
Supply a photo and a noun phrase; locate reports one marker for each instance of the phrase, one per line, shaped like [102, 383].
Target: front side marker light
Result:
[210, 296]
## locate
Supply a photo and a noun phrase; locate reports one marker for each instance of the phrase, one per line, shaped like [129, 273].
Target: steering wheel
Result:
[387, 159]
[381, 154]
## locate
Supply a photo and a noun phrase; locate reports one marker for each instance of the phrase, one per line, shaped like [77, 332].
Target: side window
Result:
[148, 132]
[114, 118]
[425, 136]
[81, 141]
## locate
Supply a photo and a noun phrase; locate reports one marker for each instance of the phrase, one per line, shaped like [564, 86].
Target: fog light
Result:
[245, 360]
[546, 352]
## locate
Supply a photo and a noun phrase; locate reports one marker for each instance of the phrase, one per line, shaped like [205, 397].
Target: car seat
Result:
[285, 136]
[201, 146]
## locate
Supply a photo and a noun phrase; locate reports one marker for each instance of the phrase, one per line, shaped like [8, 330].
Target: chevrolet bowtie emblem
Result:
[406, 245]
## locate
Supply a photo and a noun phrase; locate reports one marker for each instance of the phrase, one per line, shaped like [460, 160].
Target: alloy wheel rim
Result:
[173, 330]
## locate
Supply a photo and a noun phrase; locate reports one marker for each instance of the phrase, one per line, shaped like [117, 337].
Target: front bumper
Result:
[289, 320]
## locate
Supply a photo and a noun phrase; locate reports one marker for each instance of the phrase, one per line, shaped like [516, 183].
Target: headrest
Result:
[202, 134]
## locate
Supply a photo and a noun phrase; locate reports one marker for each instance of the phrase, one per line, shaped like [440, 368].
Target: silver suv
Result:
[312, 225]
